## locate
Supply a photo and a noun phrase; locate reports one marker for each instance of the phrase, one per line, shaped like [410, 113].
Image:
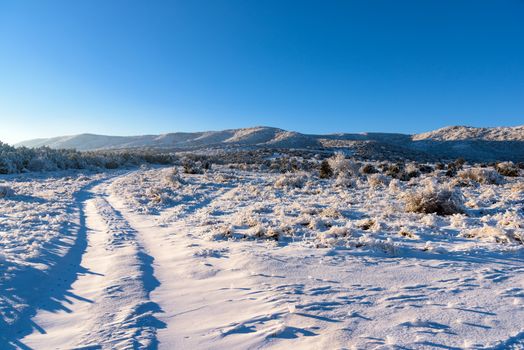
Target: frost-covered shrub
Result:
[345, 181]
[291, 180]
[457, 220]
[393, 170]
[6, 191]
[364, 224]
[330, 213]
[387, 246]
[412, 170]
[481, 175]
[334, 236]
[510, 219]
[368, 169]
[507, 169]
[172, 178]
[16, 160]
[191, 167]
[378, 180]
[491, 234]
[325, 171]
[339, 164]
[394, 186]
[434, 198]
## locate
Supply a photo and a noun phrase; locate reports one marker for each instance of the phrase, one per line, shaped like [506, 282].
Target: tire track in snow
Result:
[111, 307]
[125, 315]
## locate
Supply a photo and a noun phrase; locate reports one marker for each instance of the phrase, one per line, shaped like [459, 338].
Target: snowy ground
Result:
[234, 259]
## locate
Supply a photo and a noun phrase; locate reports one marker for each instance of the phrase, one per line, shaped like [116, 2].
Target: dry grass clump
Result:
[507, 169]
[291, 180]
[378, 180]
[173, 178]
[345, 181]
[365, 224]
[404, 232]
[331, 213]
[518, 187]
[481, 175]
[433, 198]
[493, 234]
[334, 236]
[6, 191]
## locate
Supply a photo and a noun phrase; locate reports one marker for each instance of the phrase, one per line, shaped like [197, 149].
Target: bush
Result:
[339, 164]
[368, 169]
[507, 169]
[6, 191]
[441, 200]
[425, 168]
[17, 160]
[296, 180]
[344, 180]
[378, 180]
[325, 170]
[440, 166]
[492, 234]
[396, 171]
[192, 168]
[481, 175]
[412, 171]
[173, 179]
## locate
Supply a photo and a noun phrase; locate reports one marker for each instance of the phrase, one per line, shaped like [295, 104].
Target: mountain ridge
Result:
[453, 141]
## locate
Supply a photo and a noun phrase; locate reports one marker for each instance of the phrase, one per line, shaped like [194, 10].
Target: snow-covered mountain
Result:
[256, 136]
[499, 143]
[455, 133]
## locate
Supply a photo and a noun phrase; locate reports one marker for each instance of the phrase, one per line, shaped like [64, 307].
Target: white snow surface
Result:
[245, 260]
[455, 133]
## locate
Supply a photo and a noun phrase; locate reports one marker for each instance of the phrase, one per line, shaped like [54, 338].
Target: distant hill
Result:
[477, 144]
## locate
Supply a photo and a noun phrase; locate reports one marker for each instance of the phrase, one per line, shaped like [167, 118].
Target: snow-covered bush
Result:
[172, 178]
[345, 181]
[412, 170]
[191, 167]
[17, 160]
[368, 169]
[290, 180]
[6, 191]
[339, 164]
[491, 234]
[387, 246]
[434, 198]
[325, 170]
[378, 180]
[507, 169]
[481, 175]
[334, 236]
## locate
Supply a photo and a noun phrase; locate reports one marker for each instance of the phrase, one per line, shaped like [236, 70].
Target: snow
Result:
[236, 259]
[454, 133]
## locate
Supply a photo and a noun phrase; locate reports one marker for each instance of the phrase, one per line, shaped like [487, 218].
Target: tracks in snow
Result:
[109, 304]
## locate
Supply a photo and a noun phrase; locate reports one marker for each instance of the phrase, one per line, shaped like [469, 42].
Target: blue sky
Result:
[132, 67]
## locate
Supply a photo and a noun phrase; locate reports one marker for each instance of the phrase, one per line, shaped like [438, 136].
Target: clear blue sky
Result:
[134, 67]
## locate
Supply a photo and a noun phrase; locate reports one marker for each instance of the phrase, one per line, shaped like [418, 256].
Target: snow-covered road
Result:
[109, 303]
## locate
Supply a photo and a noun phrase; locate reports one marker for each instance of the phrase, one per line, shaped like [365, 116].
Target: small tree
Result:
[325, 170]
